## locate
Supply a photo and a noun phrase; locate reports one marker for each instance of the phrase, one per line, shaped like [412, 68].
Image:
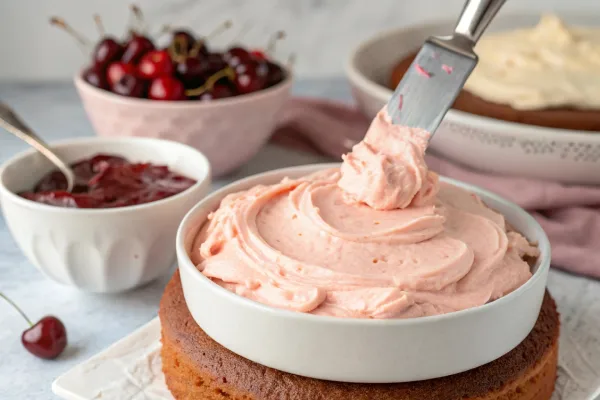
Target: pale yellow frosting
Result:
[547, 66]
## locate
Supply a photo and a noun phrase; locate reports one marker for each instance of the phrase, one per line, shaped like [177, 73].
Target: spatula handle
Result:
[475, 17]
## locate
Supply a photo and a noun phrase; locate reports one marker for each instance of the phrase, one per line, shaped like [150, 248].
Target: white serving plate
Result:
[483, 143]
[130, 369]
[358, 350]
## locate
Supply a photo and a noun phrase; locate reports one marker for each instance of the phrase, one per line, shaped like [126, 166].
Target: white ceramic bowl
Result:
[359, 350]
[483, 143]
[101, 250]
[228, 131]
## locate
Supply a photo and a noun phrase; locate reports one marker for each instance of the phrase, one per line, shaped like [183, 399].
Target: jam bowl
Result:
[102, 249]
[354, 349]
[228, 131]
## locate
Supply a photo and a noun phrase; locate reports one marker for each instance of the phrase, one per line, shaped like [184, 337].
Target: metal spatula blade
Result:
[440, 70]
[430, 86]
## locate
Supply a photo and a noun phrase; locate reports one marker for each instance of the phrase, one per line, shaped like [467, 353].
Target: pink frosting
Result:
[378, 238]
[387, 169]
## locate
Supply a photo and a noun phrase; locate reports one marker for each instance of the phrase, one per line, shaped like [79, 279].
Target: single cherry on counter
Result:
[47, 338]
[108, 181]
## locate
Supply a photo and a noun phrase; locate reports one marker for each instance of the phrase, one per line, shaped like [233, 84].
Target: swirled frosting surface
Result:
[379, 237]
[547, 66]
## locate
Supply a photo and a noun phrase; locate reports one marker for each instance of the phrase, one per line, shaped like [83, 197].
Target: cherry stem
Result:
[245, 29]
[99, 25]
[195, 50]
[273, 41]
[12, 303]
[227, 72]
[176, 49]
[199, 44]
[291, 61]
[139, 17]
[163, 30]
[224, 26]
[59, 22]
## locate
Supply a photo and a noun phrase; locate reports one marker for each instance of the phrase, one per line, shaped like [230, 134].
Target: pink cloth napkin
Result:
[569, 214]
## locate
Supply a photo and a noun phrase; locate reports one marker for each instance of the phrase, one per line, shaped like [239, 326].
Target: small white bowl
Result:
[228, 131]
[359, 350]
[101, 250]
[483, 143]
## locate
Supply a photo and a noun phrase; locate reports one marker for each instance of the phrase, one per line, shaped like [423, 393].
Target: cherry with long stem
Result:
[47, 338]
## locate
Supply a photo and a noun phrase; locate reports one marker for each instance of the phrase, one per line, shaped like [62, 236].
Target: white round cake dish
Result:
[485, 144]
[228, 131]
[361, 350]
[101, 250]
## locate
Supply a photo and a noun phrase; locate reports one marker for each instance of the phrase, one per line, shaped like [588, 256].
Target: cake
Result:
[196, 367]
[546, 76]
[380, 237]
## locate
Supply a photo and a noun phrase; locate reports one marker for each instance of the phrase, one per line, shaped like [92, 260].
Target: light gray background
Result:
[322, 32]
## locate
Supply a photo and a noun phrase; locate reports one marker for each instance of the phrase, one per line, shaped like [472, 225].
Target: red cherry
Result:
[251, 76]
[166, 88]
[107, 51]
[116, 70]
[275, 74]
[236, 55]
[136, 48]
[47, 338]
[193, 71]
[258, 54]
[95, 77]
[216, 62]
[154, 64]
[185, 40]
[218, 91]
[130, 86]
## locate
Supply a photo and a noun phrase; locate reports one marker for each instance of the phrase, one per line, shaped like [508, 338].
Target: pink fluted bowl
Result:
[228, 131]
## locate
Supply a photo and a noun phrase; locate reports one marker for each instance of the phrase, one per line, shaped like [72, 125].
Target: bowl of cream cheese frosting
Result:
[533, 98]
[375, 270]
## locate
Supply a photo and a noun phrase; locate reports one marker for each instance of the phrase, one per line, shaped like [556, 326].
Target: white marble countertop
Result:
[95, 321]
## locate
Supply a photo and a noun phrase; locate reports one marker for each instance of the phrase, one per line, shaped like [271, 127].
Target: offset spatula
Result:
[441, 69]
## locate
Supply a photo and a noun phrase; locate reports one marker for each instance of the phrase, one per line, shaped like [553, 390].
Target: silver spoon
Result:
[12, 123]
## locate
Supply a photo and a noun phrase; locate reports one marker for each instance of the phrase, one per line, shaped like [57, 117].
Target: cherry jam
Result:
[108, 181]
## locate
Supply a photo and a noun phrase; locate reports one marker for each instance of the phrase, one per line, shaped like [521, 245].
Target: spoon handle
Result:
[13, 124]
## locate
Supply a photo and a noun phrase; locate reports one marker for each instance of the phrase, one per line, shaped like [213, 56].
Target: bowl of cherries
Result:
[224, 103]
